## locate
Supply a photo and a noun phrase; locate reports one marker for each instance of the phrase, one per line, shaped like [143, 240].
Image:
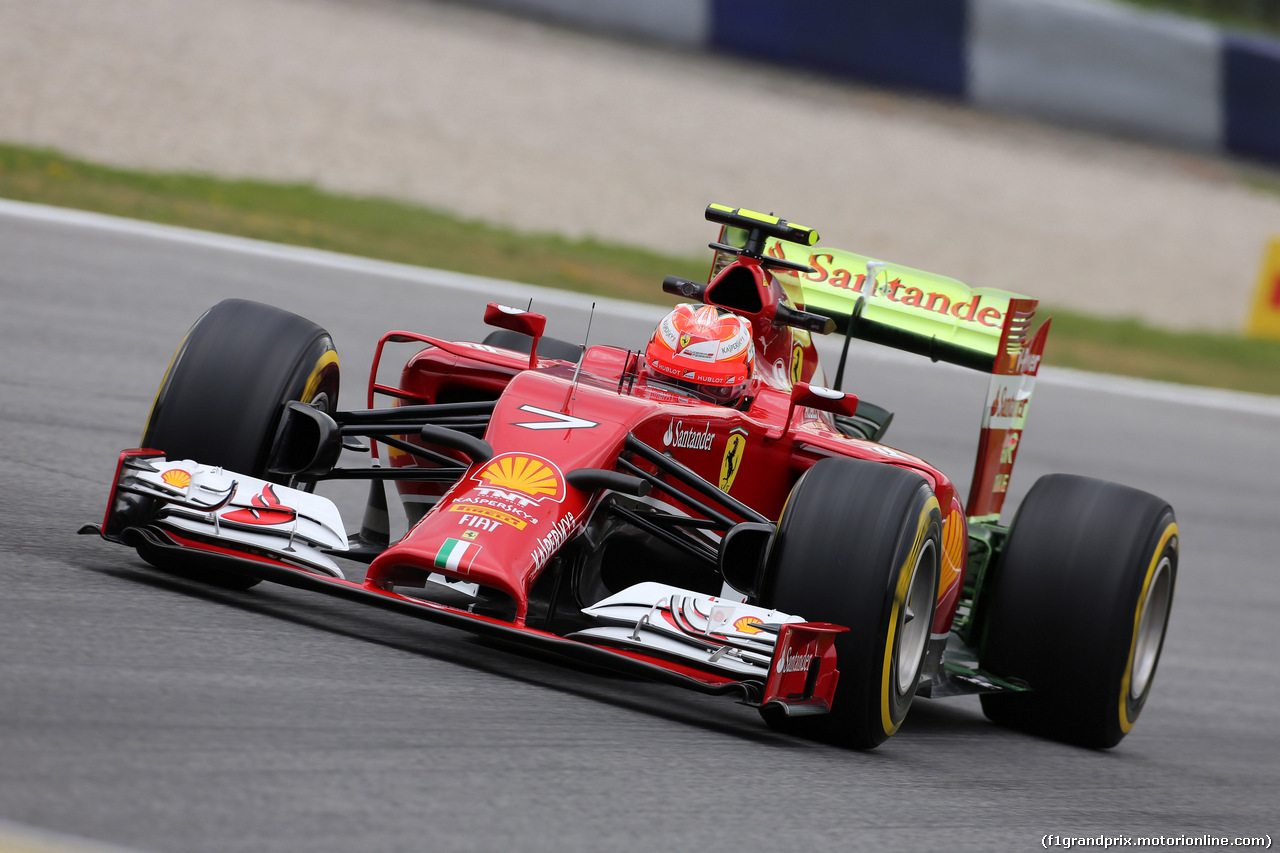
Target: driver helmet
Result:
[705, 350]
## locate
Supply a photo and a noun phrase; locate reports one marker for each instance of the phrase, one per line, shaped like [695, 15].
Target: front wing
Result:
[208, 518]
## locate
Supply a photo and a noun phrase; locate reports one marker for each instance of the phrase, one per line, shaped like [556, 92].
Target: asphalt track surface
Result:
[143, 710]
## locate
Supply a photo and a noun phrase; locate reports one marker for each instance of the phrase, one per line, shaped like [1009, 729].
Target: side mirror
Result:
[823, 399]
[517, 320]
[683, 287]
[798, 319]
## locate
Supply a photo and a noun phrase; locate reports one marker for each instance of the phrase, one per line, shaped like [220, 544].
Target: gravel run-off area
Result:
[550, 129]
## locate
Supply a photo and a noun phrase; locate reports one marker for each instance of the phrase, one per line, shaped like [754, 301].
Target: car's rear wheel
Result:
[1078, 609]
[859, 545]
[221, 399]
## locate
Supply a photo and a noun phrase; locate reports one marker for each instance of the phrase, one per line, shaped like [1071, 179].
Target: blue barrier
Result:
[1098, 65]
[915, 44]
[1074, 61]
[1251, 90]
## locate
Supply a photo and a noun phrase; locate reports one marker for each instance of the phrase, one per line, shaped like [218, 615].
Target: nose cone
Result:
[497, 528]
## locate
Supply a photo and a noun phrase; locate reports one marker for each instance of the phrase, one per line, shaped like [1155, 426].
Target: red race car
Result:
[708, 511]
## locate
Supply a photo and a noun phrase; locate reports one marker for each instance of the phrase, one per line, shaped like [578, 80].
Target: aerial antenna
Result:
[573, 386]
[869, 284]
[530, 308]
[622, 377]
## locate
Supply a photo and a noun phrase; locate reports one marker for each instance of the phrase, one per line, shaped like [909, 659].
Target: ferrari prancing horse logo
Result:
[797, 362]
[733, 450]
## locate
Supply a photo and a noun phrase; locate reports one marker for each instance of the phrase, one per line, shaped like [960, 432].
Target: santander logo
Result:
[1005, 406]
[798, 662]
[688, 439]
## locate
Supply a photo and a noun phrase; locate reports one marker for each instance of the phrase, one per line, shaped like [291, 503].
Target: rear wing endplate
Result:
[1005, 414]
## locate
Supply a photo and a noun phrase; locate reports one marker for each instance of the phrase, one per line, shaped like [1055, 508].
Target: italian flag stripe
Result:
[451, 553]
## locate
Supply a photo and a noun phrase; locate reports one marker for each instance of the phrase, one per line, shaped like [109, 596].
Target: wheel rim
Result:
[913, 634]
[1151, 625]
[320, 400]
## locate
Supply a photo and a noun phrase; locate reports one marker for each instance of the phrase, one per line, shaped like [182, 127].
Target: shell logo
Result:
[747, 625]
[526, 474]
[179, 478]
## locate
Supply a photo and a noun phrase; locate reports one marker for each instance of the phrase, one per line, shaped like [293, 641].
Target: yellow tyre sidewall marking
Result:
[1169, 533]
[899, 600]
[313, 381]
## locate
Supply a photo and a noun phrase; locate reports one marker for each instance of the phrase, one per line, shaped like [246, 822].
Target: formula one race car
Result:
[705, 512]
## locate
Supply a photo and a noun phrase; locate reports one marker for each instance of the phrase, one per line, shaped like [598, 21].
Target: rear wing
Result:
[898, 306]
[921, 312]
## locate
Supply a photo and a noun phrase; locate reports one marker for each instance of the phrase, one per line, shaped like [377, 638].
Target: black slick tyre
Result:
[221, 399]
[1078, 609]
[859, 545]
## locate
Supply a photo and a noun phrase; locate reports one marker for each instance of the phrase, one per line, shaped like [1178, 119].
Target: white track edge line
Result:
[332, 260]
[1165, 392]
[22, 838]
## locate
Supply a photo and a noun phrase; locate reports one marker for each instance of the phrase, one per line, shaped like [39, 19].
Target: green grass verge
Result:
[302, 215]
[379, 228]
[1262, 16]
[1133, 348]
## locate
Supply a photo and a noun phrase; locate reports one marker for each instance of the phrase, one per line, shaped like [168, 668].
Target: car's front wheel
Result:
[858, 544]
[221, 399]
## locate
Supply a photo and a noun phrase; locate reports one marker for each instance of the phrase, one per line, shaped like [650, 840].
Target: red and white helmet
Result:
[700, 348]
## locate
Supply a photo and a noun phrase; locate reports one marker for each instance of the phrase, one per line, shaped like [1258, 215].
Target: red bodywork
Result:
[517, 509]
[577, 455]
[566, 445]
